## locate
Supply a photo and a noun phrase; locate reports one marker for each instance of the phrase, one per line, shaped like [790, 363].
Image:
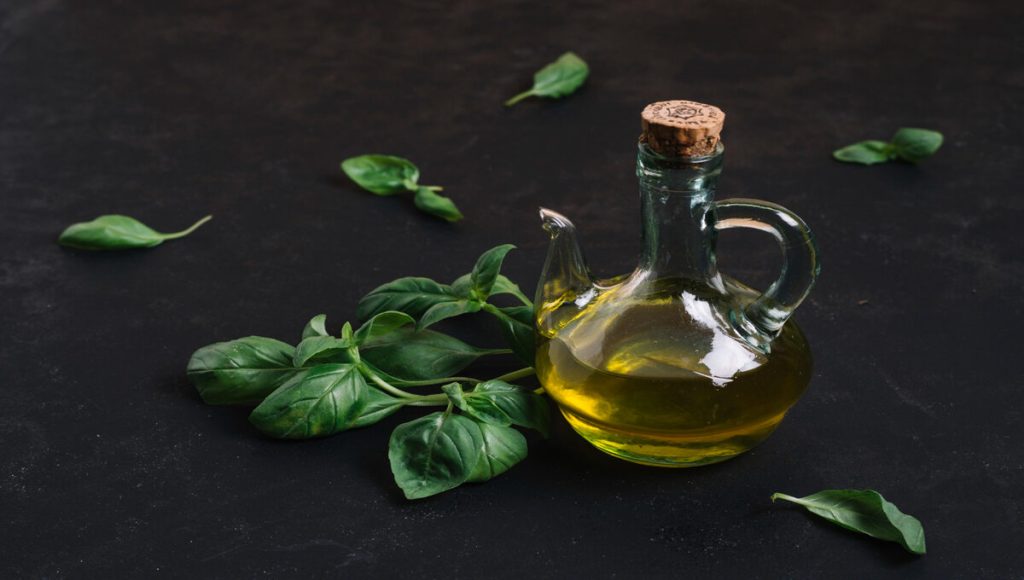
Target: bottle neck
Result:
[676, 201]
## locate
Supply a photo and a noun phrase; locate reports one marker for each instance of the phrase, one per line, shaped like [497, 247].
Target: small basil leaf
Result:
[913, 145]
[413, 296]
[434, 453]
[317, 326]
[463, 286]
[865, 153]
[503, 285]
[378, 406]
[382, 174]
[501, 403]
[241, 371]
[435, 204]
[517, 326]
[486, 270]
[480, 408]
[381, 324]
[443, 310]
[557, 79]
[420, 354]
[864, 511]
[326, 400]
[118, 232]
[322, 349]
[502, 448]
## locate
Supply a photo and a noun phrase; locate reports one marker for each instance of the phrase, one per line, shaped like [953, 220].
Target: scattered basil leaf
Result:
[381, 325]
[388, 175]
[322, 349]
[486, 270]
[558, 79]
[443, 310]
[865, 152]
[434, 453]
[503, 447]
[326, 400]
[427, 199]
[317, 326]
[413, 354]
[242, 371]
[500, 403]
[908, 144]
[913, 145]
[382, 174]
[411, 295]
[118, 232]
[864, 511]
[378, 406]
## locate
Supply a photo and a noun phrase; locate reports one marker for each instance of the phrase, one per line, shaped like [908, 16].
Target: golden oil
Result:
[653, 377]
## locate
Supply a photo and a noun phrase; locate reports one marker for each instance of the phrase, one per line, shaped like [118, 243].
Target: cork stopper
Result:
[681, 128]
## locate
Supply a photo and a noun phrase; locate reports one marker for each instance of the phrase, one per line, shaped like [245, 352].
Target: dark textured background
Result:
[110, 466]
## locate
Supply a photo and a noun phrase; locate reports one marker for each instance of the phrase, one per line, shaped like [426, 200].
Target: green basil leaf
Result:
[322, 349]
[864, 511]
[557, 79]
[420, 354]
[865, 153]
[463, 286]
[382, 174]
[381, 324]
[482, 409]
[503, 285]
[326, 400]
[502, 448]
[517, 326]
[241, 371]
[378, 406]
[118, 232]
[501, 403]
[434, 453]
[486, 270]
[317, 326]
[427, 200]
[913, 145]
[443, 310]
[413, 296]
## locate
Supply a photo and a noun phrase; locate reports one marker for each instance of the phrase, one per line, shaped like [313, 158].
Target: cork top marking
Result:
[681, 128]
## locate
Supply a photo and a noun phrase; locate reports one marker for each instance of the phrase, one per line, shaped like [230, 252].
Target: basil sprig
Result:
[431, 302]
[908, 144]
[389, 175]
[328, 384]
[864, 511]
[118, 232]
[558, 79]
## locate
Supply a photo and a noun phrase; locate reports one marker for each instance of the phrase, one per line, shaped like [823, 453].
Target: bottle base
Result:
[668, 450]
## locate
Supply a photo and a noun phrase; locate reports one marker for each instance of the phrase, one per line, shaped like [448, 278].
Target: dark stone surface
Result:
[111, 467]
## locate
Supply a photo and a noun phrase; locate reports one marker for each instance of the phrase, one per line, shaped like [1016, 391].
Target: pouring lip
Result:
[554, 222]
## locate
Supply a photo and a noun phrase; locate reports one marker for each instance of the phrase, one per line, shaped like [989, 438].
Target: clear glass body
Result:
[675, 364]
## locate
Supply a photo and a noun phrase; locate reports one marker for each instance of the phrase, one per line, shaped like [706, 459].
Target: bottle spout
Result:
[565, 275]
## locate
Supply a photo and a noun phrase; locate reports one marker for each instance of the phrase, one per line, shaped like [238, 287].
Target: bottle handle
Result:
[762, 320]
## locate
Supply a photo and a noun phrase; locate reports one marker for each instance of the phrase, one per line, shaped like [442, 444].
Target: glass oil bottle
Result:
[676, 364]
